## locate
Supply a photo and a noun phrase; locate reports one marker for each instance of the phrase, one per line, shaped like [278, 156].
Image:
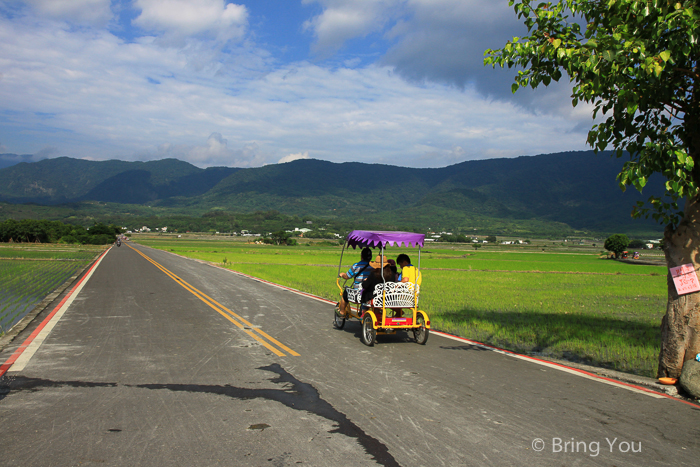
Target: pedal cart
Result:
[394, 306]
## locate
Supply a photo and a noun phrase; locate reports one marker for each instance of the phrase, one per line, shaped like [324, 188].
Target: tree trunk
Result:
[680, 327]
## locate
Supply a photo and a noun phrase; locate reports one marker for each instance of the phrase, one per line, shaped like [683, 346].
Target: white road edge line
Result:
[553, 366]
[459, 339]
[31, 349]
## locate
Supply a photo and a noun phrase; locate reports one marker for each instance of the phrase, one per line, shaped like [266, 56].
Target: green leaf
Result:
[618, 55]
[658, 69]
[514, 87]
[681, 157]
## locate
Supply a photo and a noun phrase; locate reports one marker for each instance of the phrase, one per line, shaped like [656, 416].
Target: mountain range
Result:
[571, 190]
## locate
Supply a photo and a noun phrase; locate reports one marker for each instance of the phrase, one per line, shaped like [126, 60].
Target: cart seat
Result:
[396, 295]
[354, 295]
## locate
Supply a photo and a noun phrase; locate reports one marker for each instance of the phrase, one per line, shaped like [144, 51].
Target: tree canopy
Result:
[617, 243]
[636, 62]
[43, 231]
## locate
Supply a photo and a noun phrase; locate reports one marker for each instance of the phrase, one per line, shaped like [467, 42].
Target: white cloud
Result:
[441, 41]
[294, 157]
[96, 12]
[342, 20]
[89, 93]
[215, 152]
[182, 18]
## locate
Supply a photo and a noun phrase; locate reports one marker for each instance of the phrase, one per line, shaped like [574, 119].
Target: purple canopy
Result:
[363, 238]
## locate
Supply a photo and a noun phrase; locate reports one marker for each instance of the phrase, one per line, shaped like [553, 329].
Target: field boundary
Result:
[22, 324]
[39, 259]
[531, 271]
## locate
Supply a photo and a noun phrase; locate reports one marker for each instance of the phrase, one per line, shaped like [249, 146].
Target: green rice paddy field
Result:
[568, 305]
[29, 272]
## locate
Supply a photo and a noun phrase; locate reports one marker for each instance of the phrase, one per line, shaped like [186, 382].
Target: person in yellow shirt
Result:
[408, 271]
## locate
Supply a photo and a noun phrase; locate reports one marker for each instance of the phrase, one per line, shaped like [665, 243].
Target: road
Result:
[161, 361]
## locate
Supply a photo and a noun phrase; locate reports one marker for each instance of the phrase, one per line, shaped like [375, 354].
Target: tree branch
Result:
[685, 71]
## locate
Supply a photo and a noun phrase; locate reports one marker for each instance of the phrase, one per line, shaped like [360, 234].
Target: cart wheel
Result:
[369, 334]
[338, 321]
[421, 333]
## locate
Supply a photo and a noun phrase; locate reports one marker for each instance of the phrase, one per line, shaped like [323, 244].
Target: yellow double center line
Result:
[239, 321]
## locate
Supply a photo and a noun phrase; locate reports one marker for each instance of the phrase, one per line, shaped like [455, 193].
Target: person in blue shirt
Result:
[358, 272]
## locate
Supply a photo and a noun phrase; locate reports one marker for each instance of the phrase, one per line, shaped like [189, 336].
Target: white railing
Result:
[396, 295]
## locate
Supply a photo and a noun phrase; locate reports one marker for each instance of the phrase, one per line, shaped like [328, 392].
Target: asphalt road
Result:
[164, 361]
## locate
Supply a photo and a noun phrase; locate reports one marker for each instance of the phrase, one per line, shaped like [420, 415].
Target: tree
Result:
[617, 244]
[636, 62]
[637, 244]
[281, 237]
[491, 239]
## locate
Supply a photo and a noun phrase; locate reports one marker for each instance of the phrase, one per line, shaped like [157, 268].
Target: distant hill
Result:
[7, 160]
[575, 188]
[65, 180]
[529, 193]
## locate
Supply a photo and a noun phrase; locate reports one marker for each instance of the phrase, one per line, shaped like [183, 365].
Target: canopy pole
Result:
[381, 265]
[340, 265]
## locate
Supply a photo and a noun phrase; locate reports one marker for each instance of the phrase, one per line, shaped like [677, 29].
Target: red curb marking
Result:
[524, 357]
[13, 358]
[583, 372]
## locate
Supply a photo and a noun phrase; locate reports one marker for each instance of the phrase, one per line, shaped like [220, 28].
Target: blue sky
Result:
[249, 83]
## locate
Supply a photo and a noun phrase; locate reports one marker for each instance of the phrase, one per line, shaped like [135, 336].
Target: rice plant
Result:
[29, 273]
